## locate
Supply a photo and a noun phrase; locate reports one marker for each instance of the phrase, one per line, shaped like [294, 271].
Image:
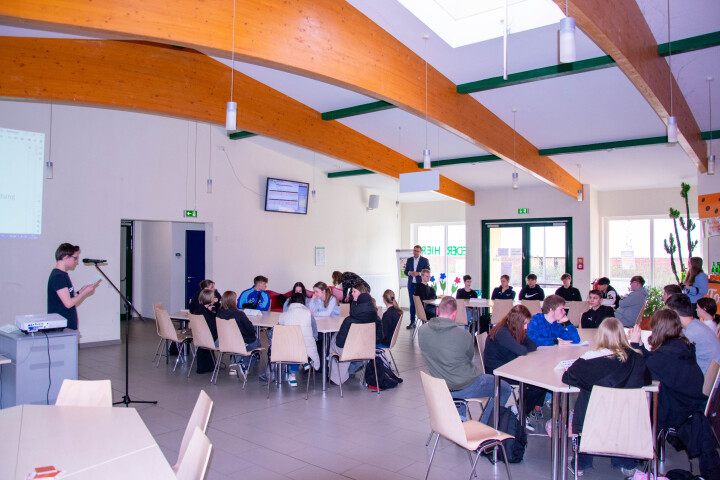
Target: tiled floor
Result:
[361, 436]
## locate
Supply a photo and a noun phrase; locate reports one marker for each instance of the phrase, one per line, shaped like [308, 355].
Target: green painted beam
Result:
[544, 73]
[459, 161]
[240, 135]
[349, 173]
[690, 44]
[357, 110]
[715, 135]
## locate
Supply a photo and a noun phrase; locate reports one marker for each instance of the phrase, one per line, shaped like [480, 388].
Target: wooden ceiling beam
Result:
[620, 29]
[186, 84]
[327, 40]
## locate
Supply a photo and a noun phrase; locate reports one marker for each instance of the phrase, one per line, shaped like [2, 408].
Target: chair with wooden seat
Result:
[169, 335]
[711, 375]
[199, 418]
[419, 313]
[344, 310]
[461, 314]
[575, 311]
[532, 305]
[202, 338]
[288, 346]
[445, 421]
[84, 393]
[393, 341]
[641, 312]
[359, 346]
[617, 423]
[500, 308]
[197, 456]
[231, 342]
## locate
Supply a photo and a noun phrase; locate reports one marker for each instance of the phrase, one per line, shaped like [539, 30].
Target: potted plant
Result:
[654, 303]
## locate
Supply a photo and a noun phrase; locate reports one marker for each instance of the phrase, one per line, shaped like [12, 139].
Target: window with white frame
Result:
[444, 247]
[636, 246]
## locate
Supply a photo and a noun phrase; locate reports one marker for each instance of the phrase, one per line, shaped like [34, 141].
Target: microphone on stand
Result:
[93, 261]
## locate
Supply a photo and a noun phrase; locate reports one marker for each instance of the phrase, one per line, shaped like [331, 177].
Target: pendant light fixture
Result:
[567, 37]
[711, 157]
[515, 183]
[49, 163]
[427, 161]
[505, 35]
[231, 109]
[580, 190]
[672, 128]
[209, 180]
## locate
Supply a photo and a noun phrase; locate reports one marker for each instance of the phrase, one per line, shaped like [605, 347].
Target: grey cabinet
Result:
[27, 378]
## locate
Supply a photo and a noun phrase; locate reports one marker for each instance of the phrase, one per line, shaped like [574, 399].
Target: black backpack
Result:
[388, 379]
[514, 447]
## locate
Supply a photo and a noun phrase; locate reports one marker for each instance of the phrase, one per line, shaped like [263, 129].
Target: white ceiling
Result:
[592, 107]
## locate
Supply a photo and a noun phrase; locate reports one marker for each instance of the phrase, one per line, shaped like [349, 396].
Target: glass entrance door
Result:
[518, 247]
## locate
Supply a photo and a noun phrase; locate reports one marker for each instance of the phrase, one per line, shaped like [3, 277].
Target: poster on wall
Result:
[402, 258]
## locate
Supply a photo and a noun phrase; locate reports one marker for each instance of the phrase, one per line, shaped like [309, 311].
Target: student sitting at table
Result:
[504, 291]
[508, 340]
[298, 287]
[390, 318]
[448, 351]
[610, 295]
[361, 311]
[194, 307]
[680, 398]
[707, 344]
[613, 364]
[631, 305]
[256, 297]
[669, 291]
[567, 291]
[323, 303]
[707, 313]
[597, 311]
[426, 292]
[229, 311]
[205, 359]
[552, 326]
[467, 292]
[298, 314]
[532, 290]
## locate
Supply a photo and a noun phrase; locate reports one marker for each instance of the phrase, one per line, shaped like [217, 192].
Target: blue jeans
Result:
[411, 291]
[246, 360]
[483, 386]
[585, 461]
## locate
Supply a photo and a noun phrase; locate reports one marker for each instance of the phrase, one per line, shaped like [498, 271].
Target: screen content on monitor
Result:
[22, 159]
[286, 196]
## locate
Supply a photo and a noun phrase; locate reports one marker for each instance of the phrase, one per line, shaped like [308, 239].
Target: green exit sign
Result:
[523, 210]
[191, 213]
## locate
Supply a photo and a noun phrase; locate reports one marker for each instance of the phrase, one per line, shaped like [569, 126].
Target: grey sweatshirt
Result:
[448, 351]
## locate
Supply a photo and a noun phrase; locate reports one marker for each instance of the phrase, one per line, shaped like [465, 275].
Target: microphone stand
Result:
[129, 308]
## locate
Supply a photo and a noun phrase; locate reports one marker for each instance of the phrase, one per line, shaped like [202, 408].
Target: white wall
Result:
[152, 243]
[112, 165]
[543, 202]
[428, 212]
[644, 202]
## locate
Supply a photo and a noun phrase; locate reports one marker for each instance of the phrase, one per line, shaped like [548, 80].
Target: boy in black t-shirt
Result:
[567, 291]
[532, 290]
[61, 296]
[597, 312]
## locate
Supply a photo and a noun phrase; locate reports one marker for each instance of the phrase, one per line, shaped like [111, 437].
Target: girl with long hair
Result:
[323, 302]
[707, 312]
[229, 311]
[696, 281]
[390, 318]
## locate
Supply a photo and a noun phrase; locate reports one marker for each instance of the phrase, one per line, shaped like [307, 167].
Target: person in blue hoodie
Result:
[552, 325]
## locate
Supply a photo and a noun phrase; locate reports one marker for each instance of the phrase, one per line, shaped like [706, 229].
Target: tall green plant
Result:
[671, 248]
[675, 214]
[688, 226]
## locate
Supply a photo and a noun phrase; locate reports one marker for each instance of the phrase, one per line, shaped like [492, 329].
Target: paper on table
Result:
[581, 344]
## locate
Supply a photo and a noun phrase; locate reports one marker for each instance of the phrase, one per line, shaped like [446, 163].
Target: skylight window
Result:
[464, 22]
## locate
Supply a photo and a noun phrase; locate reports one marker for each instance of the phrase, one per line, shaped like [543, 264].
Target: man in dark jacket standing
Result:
[448, 352]
[413, 267]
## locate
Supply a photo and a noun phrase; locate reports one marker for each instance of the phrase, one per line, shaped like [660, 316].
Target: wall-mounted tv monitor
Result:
[286, 196]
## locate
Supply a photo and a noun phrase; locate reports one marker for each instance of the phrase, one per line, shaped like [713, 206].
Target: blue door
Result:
[194, 262]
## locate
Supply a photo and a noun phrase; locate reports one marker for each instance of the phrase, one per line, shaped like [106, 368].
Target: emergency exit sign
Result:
[523, 211]
[191, 213]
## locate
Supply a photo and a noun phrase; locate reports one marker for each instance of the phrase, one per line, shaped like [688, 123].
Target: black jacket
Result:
[243, 323]
[464, 295]
[389, 321]
[593, 318]
[681, 381]
[504, 349]
[532, 293]
[608, 372]
[425, 292]
[197, 309]
[359, 313]
[571, 294]
[498, 294]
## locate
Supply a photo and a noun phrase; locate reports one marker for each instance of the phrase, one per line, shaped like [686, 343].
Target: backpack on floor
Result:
[514, 447]
[388, 379]
[205, 361]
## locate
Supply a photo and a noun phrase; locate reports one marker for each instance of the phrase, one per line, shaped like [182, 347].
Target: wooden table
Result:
[538, 368]
[84, 442]
[325, 325]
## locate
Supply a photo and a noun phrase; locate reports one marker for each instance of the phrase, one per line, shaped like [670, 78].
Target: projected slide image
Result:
[22, 159]
[286, 196]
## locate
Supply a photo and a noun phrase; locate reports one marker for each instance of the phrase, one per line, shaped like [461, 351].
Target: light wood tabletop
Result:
[83, 442]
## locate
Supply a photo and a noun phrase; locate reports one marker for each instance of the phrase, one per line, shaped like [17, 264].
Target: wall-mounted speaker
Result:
[374, 202]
